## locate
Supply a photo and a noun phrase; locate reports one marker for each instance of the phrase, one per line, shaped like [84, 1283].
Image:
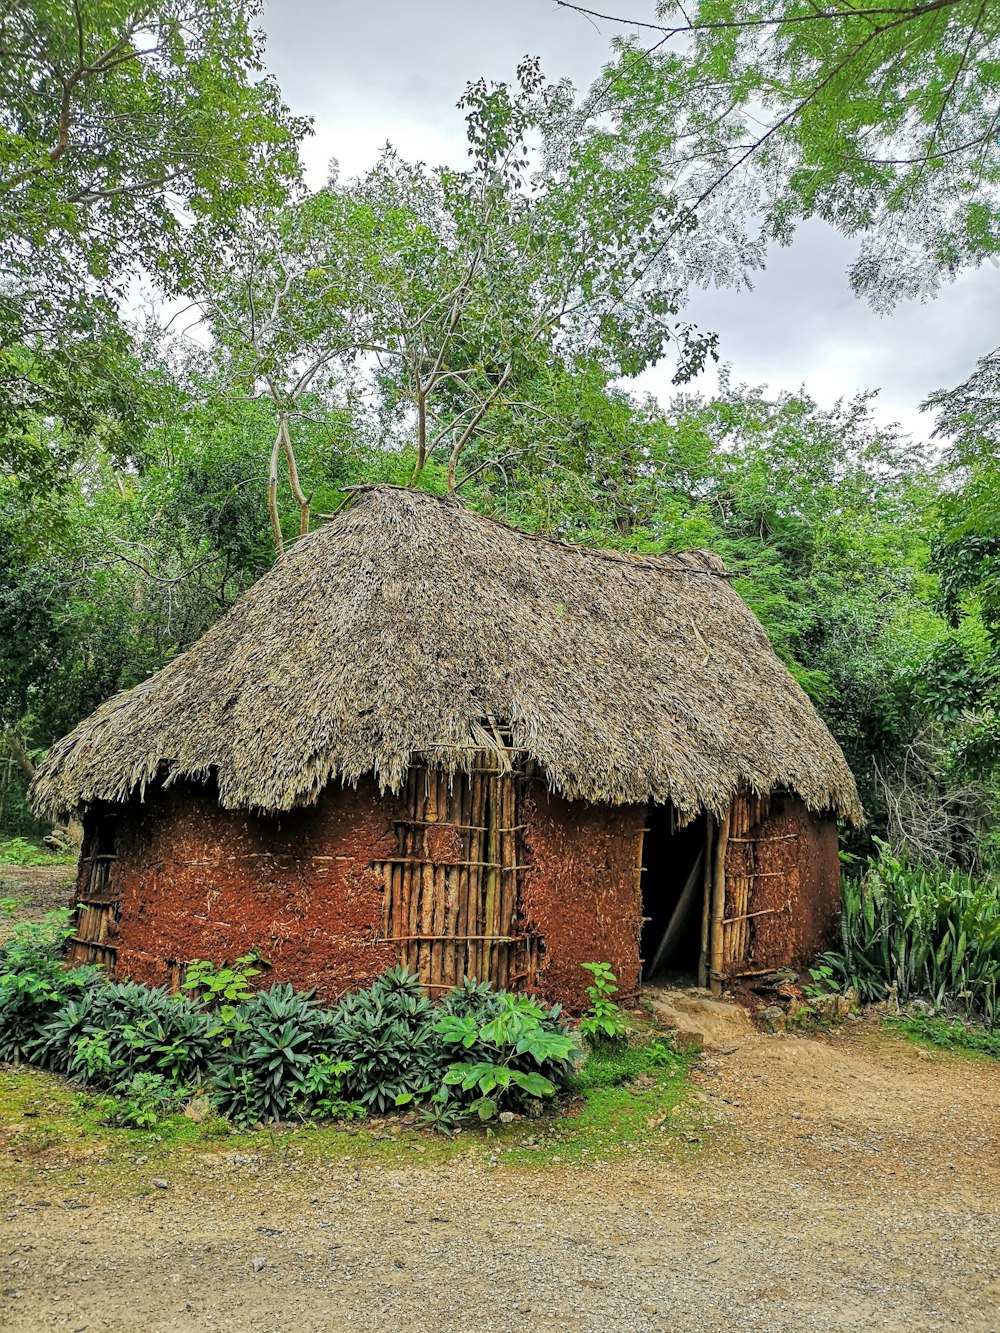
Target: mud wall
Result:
[305, 888]
[795, 853]
[196, 881]
[580, 891]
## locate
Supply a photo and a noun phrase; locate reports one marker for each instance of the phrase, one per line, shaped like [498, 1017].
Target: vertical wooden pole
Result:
[706, 904]
[719, 905]
[640, 841]
[478, 842]
[410, 871]
[464, 806]
[742, 813]
[491, 869]
[425, 948]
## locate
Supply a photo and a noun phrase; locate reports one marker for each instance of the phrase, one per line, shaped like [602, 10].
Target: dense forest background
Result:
[475, 331]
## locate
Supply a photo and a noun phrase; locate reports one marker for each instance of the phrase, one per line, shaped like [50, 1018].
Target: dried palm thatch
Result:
[411, 628]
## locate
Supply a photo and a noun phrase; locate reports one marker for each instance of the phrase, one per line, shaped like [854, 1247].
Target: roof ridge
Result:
[664, 562]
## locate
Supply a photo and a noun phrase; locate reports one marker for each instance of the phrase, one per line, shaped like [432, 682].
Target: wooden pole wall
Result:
[454, 913]
[718, 906]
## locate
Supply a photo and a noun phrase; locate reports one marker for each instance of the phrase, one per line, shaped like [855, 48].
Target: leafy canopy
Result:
[882, 118]
[131, 135]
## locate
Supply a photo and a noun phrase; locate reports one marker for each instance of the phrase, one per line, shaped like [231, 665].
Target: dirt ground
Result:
[842, 1183]
[39, 889]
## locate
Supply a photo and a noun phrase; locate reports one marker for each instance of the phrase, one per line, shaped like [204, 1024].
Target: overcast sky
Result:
[372, 70]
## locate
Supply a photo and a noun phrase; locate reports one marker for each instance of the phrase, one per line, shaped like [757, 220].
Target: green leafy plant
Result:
[949, 1036]
[141, 1102]
[612, 1064]
[603, 1020]
[494, 1076]
[222, 987]
[920, 931]
[387, 1033]
[34, 983]
[265, 1073]
[323, 1090]
[823, 980]
[20, 852]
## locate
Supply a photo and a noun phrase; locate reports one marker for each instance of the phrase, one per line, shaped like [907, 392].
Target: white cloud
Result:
[393, 69]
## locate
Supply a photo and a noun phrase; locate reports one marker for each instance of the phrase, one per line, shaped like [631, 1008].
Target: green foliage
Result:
[881, 120]
[140, 1102]
[145, 1031]
[132, 138]
[953, 1035]
[386, 1031]
[34, 985]
[323, 1090]
[603, 1020]
[279, 1054]
[920, 932]
[613, 1064]
[265, 1073]
[513, 1049]
[223, 988]
[20, 852]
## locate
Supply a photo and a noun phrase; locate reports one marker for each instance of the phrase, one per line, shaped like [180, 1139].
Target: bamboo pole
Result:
[462, 875]
[492, 871]
[738, 884]
[719, 905]
[410, 877]
[477, 843]
[427, 878]
[508, 872]
[706, 902]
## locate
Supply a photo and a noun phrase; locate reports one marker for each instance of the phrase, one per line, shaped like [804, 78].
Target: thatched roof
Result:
[412, 627]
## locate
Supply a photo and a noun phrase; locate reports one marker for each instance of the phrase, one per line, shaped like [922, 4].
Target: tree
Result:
[429, 299]
[880, 116]
[131, 136]
[961, 686]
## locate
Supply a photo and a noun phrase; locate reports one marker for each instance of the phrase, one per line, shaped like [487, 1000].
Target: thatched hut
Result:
[427, 737]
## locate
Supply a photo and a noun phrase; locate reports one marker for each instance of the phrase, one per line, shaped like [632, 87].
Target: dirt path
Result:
[845, 1184]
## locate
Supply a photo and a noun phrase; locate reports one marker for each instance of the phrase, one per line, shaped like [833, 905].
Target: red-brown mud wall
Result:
[197, 881]
[580, 892]
[798, 853]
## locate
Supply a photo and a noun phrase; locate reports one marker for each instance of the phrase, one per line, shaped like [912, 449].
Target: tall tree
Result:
[880, 116]
[131, 134]
[436, 296]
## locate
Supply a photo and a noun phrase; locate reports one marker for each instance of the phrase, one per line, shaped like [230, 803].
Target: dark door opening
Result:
[673, 861]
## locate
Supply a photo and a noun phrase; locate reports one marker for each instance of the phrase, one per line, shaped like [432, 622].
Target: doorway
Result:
[673, 895]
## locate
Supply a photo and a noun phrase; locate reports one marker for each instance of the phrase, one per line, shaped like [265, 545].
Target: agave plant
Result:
[921, 931]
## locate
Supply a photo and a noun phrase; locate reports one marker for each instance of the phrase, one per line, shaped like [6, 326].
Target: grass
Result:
[954, 1035]
[21, 852]
[624, 1097]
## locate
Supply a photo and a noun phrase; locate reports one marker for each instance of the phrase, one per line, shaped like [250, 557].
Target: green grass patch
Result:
[623, 1097]
[949, 1035]
[20, 852]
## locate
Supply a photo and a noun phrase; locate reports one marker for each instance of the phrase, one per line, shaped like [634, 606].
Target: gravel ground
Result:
[843, 1184]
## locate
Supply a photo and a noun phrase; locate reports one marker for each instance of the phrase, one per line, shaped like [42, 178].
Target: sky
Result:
[368, 71]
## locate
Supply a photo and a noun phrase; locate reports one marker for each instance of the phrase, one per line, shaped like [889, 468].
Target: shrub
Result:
[920, 932]
[223, 988]
[271, 1055]
[141, 1102]
[603, 1020]
[20, 852]
[34, 983]
[264, 1073]
[387, 1034]
[143, 1031]
[514, 1050]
